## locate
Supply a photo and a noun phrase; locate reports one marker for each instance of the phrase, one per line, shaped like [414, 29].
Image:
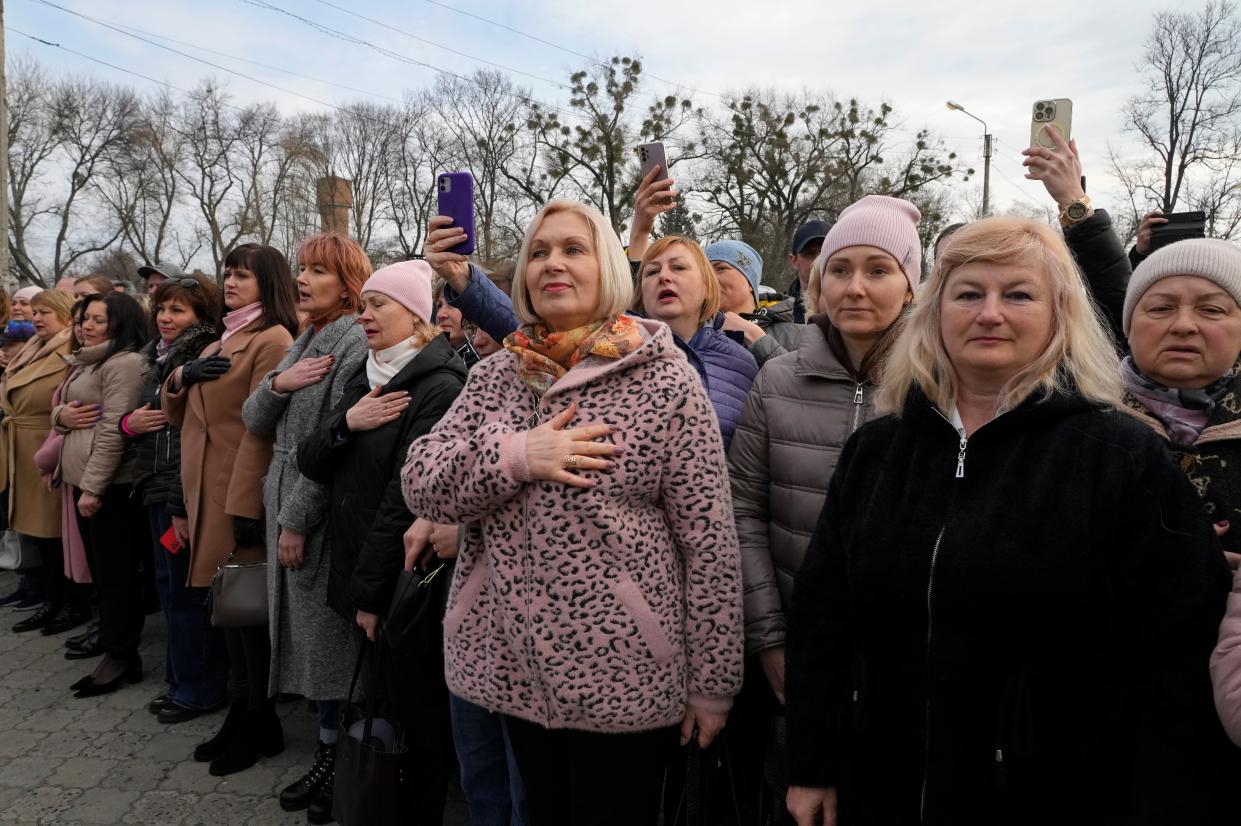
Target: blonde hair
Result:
[615, 279]
[814, 286]
[59, 302]
[710, 300]
[1079, 354]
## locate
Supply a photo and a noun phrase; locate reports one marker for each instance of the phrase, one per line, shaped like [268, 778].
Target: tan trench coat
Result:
[222, 463]
[27, 406]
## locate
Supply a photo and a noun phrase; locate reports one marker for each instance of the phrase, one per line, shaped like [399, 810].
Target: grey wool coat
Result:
[312, 647]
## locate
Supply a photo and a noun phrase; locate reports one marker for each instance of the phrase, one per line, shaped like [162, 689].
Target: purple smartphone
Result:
[456, 200]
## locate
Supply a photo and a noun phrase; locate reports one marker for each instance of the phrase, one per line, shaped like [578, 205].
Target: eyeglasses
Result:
[191, 283]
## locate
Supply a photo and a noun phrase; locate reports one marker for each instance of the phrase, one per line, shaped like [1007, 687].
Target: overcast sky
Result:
[995, 59]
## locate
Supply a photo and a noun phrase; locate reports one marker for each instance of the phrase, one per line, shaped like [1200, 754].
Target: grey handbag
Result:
[17, 553]
[239, 594]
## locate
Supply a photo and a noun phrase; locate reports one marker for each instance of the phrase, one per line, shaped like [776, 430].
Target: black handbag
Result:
[238, 596]
[370, 757]
[415, 622]
[705, 771]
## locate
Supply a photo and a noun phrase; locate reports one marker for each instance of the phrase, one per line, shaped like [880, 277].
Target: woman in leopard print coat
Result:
[597, 599]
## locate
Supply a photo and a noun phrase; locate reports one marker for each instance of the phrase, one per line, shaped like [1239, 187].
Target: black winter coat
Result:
[157, 468]
[1101, 257]
[1025, 644]
[368, 518]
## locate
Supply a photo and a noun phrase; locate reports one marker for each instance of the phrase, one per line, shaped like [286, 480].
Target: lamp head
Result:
[952, 104]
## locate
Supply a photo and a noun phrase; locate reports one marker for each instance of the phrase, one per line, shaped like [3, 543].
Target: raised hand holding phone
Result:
[456, 200]
[1056, 114]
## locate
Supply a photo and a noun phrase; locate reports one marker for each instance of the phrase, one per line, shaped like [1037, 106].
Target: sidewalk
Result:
[106, 760]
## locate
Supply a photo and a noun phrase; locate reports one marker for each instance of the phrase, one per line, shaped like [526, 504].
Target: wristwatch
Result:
[1076, 211]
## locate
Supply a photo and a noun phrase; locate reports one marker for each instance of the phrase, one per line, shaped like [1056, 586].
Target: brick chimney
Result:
[334, 197]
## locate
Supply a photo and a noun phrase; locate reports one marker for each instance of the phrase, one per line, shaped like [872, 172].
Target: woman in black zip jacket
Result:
[1007, 608]
[409, 380]
[184, 314]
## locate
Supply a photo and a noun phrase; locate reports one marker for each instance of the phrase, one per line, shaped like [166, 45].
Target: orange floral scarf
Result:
[543, 356]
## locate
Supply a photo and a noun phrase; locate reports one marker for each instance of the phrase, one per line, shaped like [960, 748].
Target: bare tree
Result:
[773, 161]
[94, 120]
[358, 142]
[595, 153]
[33, 138]
[143, 190]
[422, 148]
[209, 168]
[486, 114]
[1187, 117]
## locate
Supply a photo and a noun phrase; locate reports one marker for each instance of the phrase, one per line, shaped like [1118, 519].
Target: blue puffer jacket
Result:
[725, 366]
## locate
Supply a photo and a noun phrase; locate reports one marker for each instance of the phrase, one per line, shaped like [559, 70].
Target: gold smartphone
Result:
[1057, 113]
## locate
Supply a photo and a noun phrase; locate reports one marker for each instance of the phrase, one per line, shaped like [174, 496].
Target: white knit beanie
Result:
[1211, 258]
[891, 224]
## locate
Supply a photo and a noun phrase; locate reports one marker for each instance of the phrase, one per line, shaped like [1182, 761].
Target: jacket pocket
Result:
[219, 490]
[467, 596]
[630, 596]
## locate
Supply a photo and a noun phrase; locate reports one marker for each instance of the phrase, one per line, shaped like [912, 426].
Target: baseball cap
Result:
[167, 269]
[809, 231]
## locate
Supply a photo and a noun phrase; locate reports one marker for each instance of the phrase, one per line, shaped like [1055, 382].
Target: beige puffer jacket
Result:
[802, 409]
[96, 457]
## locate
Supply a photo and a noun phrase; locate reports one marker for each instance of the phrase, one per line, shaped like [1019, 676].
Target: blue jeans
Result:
[489, 776]
[196, 661]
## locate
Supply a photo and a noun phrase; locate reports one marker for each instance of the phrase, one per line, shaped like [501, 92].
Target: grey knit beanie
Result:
[1211, 258]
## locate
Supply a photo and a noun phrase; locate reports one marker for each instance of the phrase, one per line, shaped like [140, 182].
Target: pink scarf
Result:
[240, 319]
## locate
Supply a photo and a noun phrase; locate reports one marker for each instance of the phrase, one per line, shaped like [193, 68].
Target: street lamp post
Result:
[986, 157]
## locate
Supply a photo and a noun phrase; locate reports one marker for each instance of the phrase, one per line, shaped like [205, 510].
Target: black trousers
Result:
[58, 590]
[116, 546]
[249, 664]
[583, 778]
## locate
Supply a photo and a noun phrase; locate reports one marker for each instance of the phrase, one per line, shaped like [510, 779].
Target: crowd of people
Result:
[943, 543]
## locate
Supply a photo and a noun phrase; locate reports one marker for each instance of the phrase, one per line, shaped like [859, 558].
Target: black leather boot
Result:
[321, 810]
[209, 750]
[260, 733]
[302, 792]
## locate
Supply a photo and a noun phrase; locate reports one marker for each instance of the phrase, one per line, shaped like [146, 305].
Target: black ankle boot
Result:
[270, 734]
[321, 810]
[211, 749]
[302, 792]
[260, 734]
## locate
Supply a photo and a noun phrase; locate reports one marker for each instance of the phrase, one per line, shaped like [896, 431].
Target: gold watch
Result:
[1076, 211]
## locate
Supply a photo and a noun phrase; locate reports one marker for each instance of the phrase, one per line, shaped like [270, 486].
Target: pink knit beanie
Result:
[891, 224]
[408, 283]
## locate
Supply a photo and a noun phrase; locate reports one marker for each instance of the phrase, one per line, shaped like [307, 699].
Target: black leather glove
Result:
[247, 532]
[206, 369]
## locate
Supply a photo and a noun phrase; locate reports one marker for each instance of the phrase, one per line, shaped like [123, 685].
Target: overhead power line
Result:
[353, 112]
[358, 41]
[432, 43]
[93, 59]
[564, 49]
[150, 42]
[255, 62]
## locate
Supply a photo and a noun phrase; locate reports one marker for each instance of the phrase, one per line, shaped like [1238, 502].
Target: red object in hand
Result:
[169, 540]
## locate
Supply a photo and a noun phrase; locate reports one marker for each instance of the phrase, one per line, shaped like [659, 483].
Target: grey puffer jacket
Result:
[782, 331]
[803, 407]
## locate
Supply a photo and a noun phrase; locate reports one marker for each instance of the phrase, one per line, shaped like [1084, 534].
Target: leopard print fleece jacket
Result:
[605, 609]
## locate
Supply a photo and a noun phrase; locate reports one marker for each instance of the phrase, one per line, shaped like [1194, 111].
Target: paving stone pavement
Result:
[106, 760]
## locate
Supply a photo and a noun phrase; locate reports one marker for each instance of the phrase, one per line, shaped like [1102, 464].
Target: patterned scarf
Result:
[1185, 413]
[543, 356]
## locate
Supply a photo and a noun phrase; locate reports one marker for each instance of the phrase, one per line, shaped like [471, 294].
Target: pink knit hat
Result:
[408, 283]
[891, 224]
